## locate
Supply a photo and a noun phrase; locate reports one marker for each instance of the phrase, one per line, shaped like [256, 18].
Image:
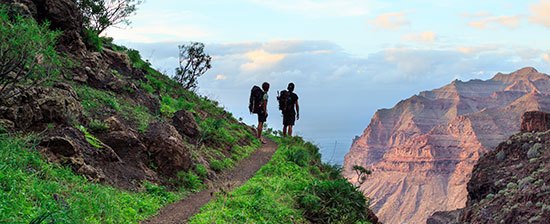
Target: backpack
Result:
[283, 99]
[256, 100]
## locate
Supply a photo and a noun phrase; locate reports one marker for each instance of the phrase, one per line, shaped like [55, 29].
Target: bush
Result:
[333, 202]
[216, 165]
[190, 181]
[27, 54]
[92, 40]
[97, 126]
[298, 155]
[201, 170]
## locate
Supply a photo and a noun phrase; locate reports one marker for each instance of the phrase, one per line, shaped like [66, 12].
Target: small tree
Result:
[101, 14]
[362, 174]
[193, 63]
[27, 54]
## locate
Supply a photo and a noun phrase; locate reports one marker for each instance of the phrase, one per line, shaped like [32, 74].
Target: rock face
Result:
[423, 149]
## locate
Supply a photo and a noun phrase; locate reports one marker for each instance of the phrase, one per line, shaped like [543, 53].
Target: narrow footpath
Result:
[180, 211]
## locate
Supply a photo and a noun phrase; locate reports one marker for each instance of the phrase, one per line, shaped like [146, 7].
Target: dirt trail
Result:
[181, 211]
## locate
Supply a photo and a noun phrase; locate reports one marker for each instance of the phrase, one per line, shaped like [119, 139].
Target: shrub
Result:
[97, 126]
[27, 54]
[333, 202]
[190, 181]
[90, 138]
[534, 151]
[92, 40]
[217, 165]
[201, 170]
[298, 155]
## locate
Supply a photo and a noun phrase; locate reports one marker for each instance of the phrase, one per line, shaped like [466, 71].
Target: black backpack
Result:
[283, 99]
[256, 100]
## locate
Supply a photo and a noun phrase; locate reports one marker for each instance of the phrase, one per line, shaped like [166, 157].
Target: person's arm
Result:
[265, 107]
[297, 111]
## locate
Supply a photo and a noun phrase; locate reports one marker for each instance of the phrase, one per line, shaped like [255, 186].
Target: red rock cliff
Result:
[423, 149]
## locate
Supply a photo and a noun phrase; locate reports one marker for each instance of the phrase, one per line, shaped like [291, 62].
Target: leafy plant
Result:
[90, 138]
[217, 165]
[333, 202]
[27, 54]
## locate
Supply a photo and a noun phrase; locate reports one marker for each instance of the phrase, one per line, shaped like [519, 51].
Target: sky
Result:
[348, 58]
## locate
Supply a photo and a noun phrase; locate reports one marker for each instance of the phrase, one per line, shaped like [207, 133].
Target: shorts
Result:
[262, 117]
[289, 119]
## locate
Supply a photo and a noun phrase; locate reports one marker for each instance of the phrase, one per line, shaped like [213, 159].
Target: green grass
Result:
[276, 193]
[28, 185]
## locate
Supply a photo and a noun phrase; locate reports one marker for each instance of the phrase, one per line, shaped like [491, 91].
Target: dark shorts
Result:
[262, 117]
[289, 118]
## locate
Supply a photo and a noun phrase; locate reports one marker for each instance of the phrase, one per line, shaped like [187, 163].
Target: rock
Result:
[186, 125]
[535, 121]
[41, 105]
[118, 61]
[114, 124]
[513, 190]
[168, 152]
[423, 149]
[444, 217]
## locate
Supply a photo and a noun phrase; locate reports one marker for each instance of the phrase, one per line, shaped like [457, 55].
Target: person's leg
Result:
[260, 128]
[290, 130]
[284, 131]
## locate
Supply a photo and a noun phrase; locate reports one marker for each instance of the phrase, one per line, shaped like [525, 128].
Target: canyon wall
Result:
[422, 150]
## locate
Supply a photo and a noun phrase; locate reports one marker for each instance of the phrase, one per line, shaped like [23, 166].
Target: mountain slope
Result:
[423, 149]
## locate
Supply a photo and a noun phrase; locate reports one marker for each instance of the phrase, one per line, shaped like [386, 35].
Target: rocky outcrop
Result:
[535, 121]
[37, 106]
[186, 125]
[423, 149]
[446, 217]
[512, 183]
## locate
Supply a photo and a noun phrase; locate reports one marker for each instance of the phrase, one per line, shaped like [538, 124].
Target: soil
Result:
[181, 211]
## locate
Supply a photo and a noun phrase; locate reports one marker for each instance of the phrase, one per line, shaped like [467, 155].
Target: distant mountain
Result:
[422, 150]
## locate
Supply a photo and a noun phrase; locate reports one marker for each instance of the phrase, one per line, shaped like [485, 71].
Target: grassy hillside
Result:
[294, 187]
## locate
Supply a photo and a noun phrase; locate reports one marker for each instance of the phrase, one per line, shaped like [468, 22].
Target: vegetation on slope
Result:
[30, 187]
[294, 187]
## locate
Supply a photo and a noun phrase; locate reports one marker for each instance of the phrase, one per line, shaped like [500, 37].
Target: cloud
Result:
[391, 20]
[478, 49]
[261, 59]
[474, 15]
[424, 37]
[546, 57]
[320, 8]
[221, 77]
[540, 13]
[157, 33]
[510, 22]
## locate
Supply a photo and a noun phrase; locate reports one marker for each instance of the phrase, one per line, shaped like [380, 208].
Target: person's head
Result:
[290, 87]
[265, 86]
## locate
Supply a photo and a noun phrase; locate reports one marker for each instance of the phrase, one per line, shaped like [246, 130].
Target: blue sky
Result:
[348, 58]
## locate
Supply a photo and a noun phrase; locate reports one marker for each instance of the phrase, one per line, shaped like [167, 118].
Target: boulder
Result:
[186, 125]
[167, 150]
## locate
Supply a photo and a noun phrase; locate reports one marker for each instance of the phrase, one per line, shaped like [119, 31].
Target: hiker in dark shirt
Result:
[262, 115]
[289, 114]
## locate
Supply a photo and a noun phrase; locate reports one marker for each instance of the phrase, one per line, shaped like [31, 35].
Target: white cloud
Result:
[320, 8]
[158, 33]
[391, 20]
[221, 77]
[510, 22]
[546, 57]
[424, 37]
[261, 59]
[540, 13]
[474, 15]
[478, 49]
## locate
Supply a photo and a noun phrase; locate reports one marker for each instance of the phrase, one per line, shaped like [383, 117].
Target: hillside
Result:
[423, 149]
[108, 139]
[511, 183]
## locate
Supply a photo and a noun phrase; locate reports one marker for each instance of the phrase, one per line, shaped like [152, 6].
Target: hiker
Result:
[287, 101]
[258, 105]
